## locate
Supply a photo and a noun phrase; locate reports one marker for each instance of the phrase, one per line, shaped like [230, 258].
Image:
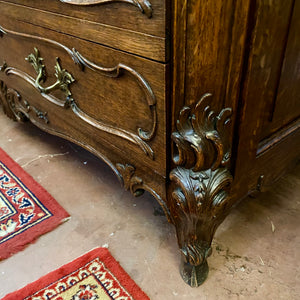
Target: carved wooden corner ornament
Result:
[19, 109]
[200, 184]
[130, 180]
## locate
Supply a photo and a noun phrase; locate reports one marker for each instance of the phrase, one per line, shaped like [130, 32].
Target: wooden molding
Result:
[116, 72]
[69, 102]
[112, 72]
[142, 136]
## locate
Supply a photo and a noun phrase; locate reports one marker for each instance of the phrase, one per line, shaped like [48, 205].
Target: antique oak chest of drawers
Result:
[196, 102]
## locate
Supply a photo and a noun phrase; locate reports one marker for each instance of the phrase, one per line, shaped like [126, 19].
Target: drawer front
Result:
[118, 24]
[97, 96]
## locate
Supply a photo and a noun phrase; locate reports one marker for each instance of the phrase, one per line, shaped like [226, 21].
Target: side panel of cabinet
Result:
[287, 103]
[265, 145]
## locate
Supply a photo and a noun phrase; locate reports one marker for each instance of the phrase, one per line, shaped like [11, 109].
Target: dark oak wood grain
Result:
[115, 13]
[289, 83]
[269, 43]
[140, 43]
[266, 47]
[196, 102]
[131, 85]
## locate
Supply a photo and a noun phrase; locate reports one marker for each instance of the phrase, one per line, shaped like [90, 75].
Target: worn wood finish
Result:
[178, 47]
[196, 102]
[215, 35]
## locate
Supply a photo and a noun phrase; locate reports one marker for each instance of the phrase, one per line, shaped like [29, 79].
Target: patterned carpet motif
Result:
[95, 275]
[26, 209]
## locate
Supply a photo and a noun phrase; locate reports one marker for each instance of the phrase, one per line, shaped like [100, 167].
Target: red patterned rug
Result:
[95, 275]
[26, 209]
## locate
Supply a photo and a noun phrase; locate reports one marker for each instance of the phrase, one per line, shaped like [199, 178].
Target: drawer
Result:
[117, 24]
[98, 96]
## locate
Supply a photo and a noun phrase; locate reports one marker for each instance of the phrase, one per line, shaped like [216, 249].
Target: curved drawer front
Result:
[97, 96]
[134, 26]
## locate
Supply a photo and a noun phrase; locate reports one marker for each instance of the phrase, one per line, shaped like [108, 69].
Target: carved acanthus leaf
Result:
[17, 108]
[130, 180]
[197, 191]
[41, 115]
[201, 139]
[199, 201]
[200, 184]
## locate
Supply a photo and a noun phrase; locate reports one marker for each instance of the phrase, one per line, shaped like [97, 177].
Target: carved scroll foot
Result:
[198, 195]
[194, 275]
[198, 204]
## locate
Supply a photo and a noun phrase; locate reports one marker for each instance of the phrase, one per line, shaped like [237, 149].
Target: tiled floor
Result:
[256, 250]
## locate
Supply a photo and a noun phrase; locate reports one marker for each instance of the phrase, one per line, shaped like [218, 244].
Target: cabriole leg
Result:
[198, 195]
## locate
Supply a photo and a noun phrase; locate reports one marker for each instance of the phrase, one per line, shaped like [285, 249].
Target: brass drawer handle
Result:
[143, 5]
[64, 79]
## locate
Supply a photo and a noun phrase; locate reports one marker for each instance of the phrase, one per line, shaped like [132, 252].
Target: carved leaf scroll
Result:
[202, 136]
[130, 180]
[143, 5]
[200, 199]
[17, 107]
